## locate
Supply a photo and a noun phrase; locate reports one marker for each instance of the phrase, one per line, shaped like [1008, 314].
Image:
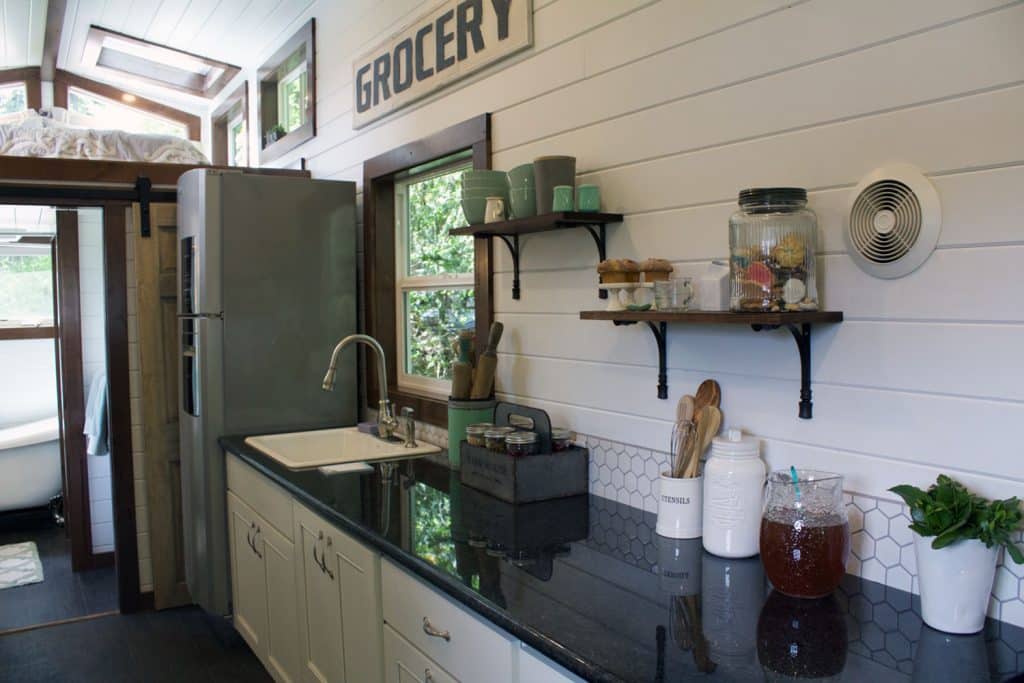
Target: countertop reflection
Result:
[587, 581]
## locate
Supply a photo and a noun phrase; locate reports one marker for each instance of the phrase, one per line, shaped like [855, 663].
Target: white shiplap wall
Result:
[671, 106]
[94, 350]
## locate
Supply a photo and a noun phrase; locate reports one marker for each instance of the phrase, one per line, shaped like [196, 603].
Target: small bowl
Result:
[474, 209]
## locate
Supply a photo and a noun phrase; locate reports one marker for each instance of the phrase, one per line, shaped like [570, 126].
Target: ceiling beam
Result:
[55, 11]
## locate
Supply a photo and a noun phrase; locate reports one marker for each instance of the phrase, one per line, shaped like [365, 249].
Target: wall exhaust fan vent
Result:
[894, 221]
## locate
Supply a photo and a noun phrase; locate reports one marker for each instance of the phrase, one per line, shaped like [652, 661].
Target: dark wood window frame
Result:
[65, 80]
[266, 96]
[379, 253]
[33, 88]
[221, 119]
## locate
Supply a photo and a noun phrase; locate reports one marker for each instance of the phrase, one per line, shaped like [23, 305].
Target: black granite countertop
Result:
[587, 582]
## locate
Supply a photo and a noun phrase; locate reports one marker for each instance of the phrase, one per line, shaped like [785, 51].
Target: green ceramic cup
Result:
[523, 202]
[521, 177]
[562, 200]
[588, 198]
[461, 414]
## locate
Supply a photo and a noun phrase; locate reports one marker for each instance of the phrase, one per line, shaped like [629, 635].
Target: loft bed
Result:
[42, 159]
[31, 134]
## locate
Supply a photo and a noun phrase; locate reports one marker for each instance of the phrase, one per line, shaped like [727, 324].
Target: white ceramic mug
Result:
[495, 210]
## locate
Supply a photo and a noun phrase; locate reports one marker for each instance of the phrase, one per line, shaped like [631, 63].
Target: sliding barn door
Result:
[156, 277]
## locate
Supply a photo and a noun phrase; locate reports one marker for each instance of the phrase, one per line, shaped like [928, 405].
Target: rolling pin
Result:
[483, 380]
[462, 369]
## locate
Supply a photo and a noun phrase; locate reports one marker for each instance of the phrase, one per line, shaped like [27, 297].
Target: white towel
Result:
[96, 442]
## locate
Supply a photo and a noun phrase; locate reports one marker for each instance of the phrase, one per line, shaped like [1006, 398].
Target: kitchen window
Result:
[13, 98]
[238, 147]
[420, 286]
[291, 99]
[94, 111]
[434, 283]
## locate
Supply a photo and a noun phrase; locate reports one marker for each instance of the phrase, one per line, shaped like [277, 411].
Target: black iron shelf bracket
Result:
[600, 239]
[802, 335]
[660, 331]
[513, 246]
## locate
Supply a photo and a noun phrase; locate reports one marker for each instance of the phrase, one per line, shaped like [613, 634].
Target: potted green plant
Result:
[957, 537]
[274, 133]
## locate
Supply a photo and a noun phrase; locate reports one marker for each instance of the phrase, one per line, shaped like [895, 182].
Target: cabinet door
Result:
[282, 637]
[323, 657]
[403, 663]
[358, 571]
[248, 579]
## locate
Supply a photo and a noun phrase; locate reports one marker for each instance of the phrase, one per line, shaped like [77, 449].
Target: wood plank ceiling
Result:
[22, 23]
[233, 31]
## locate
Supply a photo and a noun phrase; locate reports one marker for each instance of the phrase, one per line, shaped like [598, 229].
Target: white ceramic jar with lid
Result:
[734, 477]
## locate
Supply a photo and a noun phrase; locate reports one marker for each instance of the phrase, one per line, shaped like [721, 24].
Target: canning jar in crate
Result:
[772, 241]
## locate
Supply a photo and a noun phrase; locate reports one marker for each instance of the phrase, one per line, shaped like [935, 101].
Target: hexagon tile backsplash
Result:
[882, 549]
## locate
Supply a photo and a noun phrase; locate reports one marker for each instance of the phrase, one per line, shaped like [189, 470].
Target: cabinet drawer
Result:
[273, 503]
[403, 663]
[473, 651]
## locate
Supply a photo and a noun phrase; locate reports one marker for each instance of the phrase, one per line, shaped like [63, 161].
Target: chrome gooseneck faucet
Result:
[386, 422]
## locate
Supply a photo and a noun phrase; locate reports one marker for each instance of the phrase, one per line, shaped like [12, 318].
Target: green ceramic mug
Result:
[588, 198]
[562, 198]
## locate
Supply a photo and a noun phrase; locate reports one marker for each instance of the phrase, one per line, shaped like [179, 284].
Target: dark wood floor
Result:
[63, 594]
[176, 645]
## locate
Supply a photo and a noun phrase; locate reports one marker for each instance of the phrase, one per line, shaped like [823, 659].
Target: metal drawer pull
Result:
[322, 560]
[254, 548]
[429, 629]
[427, 676]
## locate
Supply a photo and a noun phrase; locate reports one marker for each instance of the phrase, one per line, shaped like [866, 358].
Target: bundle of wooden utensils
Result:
[469, 382]
[698, 419]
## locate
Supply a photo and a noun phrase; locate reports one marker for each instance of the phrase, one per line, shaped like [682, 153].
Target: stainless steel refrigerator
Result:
[266, 287]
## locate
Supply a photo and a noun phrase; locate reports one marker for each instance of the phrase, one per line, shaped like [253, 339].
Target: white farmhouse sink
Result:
[301, 450]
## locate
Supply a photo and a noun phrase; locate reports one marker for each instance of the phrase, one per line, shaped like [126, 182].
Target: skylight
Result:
[127, 57]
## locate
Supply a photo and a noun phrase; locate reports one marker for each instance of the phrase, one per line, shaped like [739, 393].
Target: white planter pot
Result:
[679, 507]
[956, 583]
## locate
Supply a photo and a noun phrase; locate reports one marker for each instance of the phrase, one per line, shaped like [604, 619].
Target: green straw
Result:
[796, 481]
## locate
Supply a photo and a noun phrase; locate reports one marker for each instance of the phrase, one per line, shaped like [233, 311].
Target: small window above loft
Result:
[90, 110]
[13, 98]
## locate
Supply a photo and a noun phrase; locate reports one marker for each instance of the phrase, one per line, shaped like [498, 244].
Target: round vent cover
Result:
[894, 221]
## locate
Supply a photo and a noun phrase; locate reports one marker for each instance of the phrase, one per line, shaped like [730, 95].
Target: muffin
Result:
[656, 270]
[619, 270]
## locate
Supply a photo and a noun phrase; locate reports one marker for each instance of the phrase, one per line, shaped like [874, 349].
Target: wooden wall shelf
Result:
[509, 232]
[798, 323]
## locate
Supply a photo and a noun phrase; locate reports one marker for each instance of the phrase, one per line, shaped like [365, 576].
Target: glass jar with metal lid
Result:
[475, 433]
[495, 438]
[561, 439]
[772, 242]
[521, 443]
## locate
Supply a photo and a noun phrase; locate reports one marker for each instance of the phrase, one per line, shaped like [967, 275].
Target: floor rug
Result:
[20, 565]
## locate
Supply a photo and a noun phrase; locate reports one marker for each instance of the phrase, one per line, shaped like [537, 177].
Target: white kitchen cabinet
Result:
[248, 577]
[536, 668]
[339, 603]
[403, 663]
[263, 590]
[461, 642]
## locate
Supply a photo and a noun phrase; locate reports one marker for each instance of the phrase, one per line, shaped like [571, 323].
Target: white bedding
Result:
[31, 135]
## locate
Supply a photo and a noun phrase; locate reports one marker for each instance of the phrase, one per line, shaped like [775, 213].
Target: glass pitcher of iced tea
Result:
[805, 535]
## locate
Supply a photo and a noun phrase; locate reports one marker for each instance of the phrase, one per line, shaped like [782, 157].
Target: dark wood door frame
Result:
[71, 392]
[379, 252]
[126, 549]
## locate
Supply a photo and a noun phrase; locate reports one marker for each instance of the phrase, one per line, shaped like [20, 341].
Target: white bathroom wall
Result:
[94, 349]
[29, 372]
[672, 106]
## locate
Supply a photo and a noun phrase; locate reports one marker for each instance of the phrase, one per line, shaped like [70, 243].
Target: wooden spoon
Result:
[709, 393]
[686, 408]
[708, 424]
[713, 421]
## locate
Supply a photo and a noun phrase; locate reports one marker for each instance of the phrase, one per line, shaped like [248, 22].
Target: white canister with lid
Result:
[734, 477]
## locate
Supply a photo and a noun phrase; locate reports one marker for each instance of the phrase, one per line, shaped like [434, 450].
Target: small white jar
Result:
[734, 477]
